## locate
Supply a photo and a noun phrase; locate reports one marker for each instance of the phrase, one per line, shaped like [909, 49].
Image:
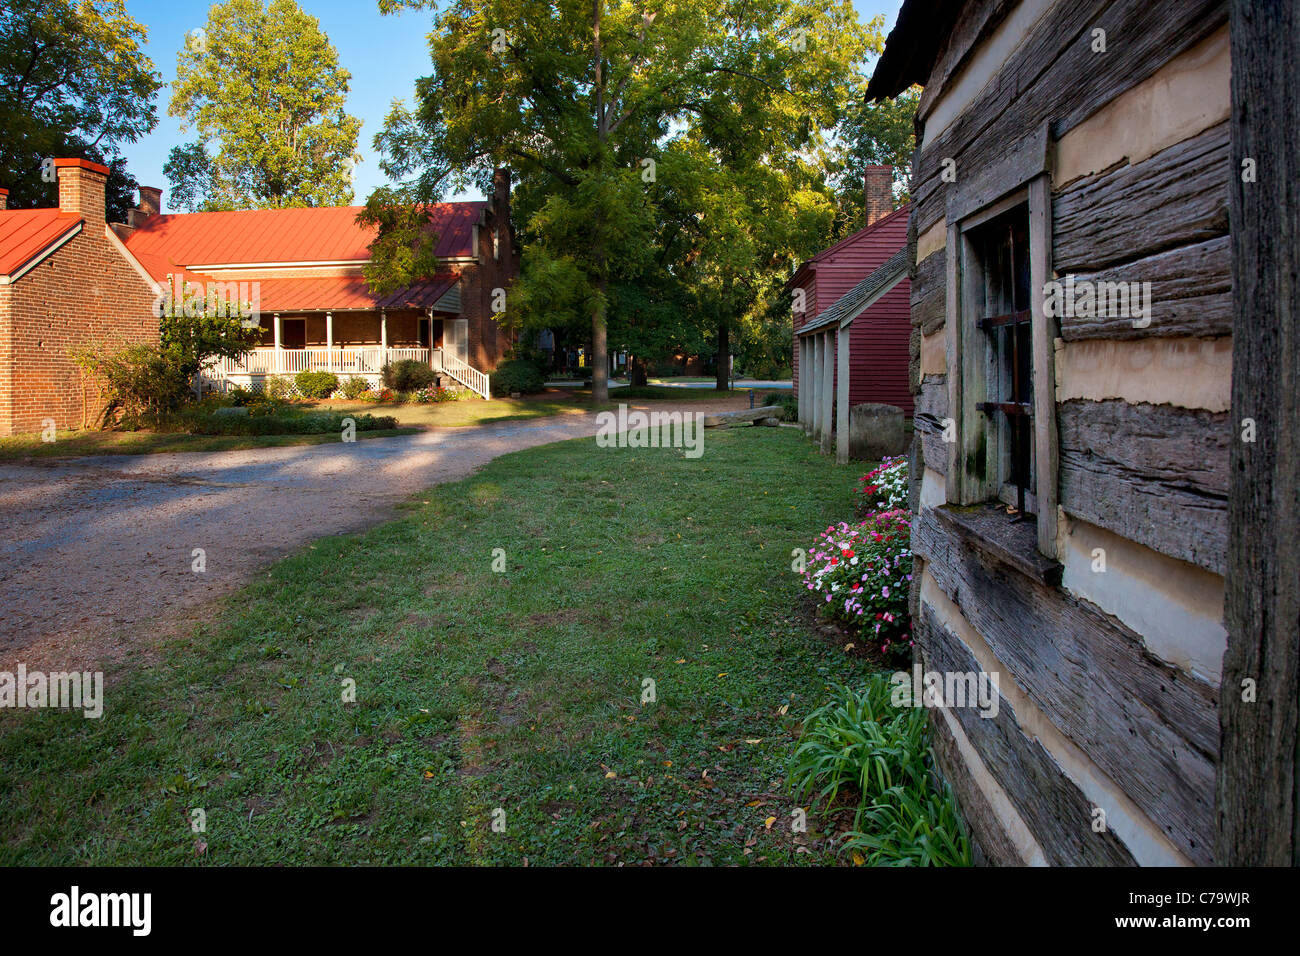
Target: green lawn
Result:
[472, 411]
[477, 690]
[78, 444]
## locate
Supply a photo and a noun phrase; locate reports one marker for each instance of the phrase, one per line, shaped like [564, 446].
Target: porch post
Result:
[329, 340]
[816, 382]
[276, 363]
[383, 333]
[842, 398]
[828, 391]
[799, 344]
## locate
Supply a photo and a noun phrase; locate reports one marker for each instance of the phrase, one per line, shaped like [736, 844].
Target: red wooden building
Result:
[878, 362]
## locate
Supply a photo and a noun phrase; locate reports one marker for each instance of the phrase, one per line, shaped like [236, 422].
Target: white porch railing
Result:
[364, 361]
[467, 375]
[345, 361]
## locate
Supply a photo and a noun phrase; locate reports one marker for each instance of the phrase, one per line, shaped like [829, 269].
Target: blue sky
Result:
[384, 54]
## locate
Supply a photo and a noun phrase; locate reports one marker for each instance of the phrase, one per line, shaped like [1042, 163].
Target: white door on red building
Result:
[456, 338]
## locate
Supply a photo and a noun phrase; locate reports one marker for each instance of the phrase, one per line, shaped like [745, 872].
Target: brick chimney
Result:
[4, 199]
[501, 213]
[150, 204]
[879, 192]
[81, 188]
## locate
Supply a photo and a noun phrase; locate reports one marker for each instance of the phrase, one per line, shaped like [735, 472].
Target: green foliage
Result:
[277, 387]
[274, 420]
[74, 82]
[316, 384]
[517, 375]
[408, 375]
[579, 99]
[875, 134]
[353, 386]
[192, 342]
[264, 89]
[140, 382]
[862, 745]
[787, 400]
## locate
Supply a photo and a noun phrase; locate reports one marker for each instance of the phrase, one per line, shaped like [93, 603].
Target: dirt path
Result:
[96, 559]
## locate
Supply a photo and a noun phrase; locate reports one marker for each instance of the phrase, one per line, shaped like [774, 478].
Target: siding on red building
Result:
[879, 357]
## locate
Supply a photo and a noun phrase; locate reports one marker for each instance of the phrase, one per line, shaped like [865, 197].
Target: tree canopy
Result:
[584, 99]
[74, 82]
[262, 86]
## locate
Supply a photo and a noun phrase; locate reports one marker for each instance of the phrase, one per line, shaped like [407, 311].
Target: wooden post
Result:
[383, 334]
[1256, 796]
[828, 390]
[277, 362]
[801, 344]
[815, 374]
[1043, 336]
[842, 398]
[329, 340]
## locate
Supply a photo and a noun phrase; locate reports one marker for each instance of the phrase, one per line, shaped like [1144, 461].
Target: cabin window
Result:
[1004, 325]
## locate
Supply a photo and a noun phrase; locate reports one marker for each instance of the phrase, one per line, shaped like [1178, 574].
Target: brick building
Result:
[66, 282]
[302, 270]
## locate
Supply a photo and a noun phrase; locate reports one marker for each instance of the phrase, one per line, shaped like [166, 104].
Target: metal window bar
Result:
[1018, 411]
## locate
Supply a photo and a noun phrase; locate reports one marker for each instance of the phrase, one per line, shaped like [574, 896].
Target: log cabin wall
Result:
[1103, 617]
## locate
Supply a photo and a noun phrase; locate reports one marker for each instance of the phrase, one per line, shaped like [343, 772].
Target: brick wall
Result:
[488, 342]
[84, 294]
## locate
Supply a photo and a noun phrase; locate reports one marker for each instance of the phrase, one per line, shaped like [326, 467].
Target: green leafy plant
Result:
[353, 386]
[139, 383]
[861, 745]
[408, 375]
[316, 384]
[517, 375]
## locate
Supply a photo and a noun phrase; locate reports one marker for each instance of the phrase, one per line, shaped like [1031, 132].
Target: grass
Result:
[472, 411]
[79, 444]
[477, 691]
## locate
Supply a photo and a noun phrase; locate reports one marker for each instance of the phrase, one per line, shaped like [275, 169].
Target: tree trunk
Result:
[724, 356]
[599, 358]
[636, 371]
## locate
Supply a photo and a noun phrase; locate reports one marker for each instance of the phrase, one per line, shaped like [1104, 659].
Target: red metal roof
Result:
[317, 234]
[343, 292]
[26, 233]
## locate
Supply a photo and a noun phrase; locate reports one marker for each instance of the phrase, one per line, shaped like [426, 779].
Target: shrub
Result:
[140, 383]
[885, 487]
[377, 395]
[277, 388]
[353, 386]
[861, 743]
[316, 384]
[274, 421]
[788, 402]
[862, 572]
[408, 375]
[436, 394]
[517, 376]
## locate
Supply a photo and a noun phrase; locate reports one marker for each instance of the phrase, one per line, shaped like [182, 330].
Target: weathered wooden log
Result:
[1191, 294]
[744, 415]
[1053, 807]
[1149, 726]
[929, 292]
[1067, 94]
[1156, 474]
[1178, 196]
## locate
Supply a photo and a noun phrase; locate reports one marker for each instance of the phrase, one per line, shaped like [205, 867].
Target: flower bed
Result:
[862, 572]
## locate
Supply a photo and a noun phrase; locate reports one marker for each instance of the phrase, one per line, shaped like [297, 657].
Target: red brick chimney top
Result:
[4, 199]
[81, 164]
[150, 200]
[82, 185]
[879, 192]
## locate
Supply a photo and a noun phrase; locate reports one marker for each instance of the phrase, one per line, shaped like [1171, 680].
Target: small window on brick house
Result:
[496, 242]
[1003, 325]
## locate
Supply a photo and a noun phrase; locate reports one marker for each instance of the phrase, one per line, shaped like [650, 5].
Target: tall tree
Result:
[580, 96]
[874, 134]
[74, 82]
[262, 86]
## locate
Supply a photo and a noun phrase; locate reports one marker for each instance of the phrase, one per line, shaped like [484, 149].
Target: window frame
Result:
[969, 479]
